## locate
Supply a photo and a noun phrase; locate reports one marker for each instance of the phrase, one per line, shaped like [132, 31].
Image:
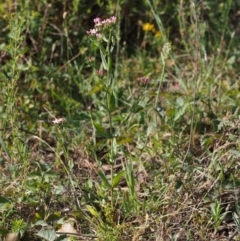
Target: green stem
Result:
[159, 88]
[108, 95]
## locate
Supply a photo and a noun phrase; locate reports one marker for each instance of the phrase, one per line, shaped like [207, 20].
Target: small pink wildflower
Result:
[100, 72]
[100, 24]
[93, 31]
[145, 80]
[104, 22]
[97, 20]
[113, 19]
[58, 120]
[98, 35]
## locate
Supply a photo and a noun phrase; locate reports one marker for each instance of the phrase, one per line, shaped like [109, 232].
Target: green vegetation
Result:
[119, 120]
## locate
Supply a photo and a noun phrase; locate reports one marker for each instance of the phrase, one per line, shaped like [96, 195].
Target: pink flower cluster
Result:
[94, 32]
[101, 24]
[145, 80]
[98, 22]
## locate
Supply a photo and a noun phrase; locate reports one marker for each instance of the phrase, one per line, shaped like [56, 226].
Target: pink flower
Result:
[96, 20]
[104, 22]
[93, 31]
[113, 19]
[58, 120]
[100, 72]
[98, 35]
[100, 25]
[145, 80]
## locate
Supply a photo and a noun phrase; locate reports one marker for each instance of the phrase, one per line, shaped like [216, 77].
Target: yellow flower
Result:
[148, 27]
[158, 34]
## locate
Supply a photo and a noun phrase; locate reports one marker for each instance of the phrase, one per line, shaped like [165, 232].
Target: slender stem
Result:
[109, 94]
[159, 88]
[197, 56]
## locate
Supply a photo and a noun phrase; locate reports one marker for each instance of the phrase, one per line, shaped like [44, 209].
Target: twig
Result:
[78, 234]
[232, 236]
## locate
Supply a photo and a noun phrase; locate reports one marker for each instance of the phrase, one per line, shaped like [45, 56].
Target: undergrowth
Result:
[119, 125]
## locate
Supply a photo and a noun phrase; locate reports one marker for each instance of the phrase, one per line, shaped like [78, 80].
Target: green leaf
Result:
[93, 211]
[4, 232]
[104, 38]
[130, 178]
[62, 238]
[231, 60]
[117, 179]
[41, 223]
[160, 111]
[137, 109]
[4, 147]
[48, 234]
[180, 112]
[40, 215]
[97, 88]
[112, 102]
[180, 101]
[124, 139]
[104, 179]
[178, 185]
[104, 61]
[54, 217]
[4, 203]
[101, 131]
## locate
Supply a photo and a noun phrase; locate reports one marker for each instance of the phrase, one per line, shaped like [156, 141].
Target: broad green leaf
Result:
[40, 215]
[101, 131]
[180, 101]
[41, 223]
[112, 102]
[231, 60]
[117, 178]
[180, 112]
[104, 179]
[4, 203]
[96, 89]
[124, 139]
[48, 234]
[62, 238]
[54, 217]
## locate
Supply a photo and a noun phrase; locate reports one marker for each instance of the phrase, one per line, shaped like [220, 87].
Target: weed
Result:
[121, 128]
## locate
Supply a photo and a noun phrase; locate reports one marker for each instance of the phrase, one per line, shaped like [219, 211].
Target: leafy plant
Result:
[130, 129]
[217, 215]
